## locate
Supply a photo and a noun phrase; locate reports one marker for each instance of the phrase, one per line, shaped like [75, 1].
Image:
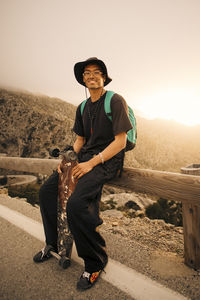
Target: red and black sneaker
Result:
[87, 280]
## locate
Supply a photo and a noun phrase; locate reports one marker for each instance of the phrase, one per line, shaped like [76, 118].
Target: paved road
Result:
[22, 279]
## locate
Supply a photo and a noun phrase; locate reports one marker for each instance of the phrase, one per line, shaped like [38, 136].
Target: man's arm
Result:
[78, 144]
[115, 147]
[111, 150]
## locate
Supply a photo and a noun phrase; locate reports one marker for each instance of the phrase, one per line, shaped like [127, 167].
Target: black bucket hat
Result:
[80, 66]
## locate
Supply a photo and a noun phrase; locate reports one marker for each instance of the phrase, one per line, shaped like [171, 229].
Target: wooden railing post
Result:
[191, 225]
[191, 231]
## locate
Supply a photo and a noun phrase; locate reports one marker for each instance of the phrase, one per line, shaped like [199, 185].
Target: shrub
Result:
[131, 204]
[30, 192]
[169, 211]
[3, 180]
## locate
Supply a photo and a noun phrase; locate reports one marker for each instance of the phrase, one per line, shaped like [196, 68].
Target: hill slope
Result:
[166, 145]
[32, 124]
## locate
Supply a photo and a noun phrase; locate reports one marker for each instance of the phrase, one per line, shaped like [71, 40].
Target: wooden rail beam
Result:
[170, 186]
[30, 165]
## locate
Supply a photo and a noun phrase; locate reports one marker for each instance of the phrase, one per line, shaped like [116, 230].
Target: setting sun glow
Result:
[180, 105]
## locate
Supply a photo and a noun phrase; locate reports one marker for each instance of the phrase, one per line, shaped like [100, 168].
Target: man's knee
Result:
[49, 190]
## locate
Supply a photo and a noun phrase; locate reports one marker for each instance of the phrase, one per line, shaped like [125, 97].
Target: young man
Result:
[100, 145]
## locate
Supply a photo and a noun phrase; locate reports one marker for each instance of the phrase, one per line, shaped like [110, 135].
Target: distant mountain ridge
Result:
[32, 124]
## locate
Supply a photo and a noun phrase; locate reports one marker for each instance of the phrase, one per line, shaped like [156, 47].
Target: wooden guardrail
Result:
[171, 186]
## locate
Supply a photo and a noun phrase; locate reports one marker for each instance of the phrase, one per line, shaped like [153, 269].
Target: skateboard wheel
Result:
[64, 262]
[54, 152]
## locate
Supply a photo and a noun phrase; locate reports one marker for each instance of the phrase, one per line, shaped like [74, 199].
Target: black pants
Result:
[82, 211]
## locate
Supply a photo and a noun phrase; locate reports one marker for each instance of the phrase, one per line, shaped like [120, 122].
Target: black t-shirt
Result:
[95, 126]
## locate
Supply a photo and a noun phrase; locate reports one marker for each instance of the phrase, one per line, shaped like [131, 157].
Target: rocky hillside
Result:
[32, 124]
[165, 145]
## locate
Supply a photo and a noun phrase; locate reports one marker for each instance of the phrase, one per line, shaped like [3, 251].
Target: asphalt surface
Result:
[22, 279]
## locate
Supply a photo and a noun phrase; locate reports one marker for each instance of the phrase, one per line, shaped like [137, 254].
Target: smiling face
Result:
[93, 77]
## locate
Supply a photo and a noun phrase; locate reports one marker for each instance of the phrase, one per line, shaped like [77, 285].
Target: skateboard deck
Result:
[66, 186]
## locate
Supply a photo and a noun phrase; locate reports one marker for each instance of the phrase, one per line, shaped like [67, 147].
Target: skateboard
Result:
[66, 186]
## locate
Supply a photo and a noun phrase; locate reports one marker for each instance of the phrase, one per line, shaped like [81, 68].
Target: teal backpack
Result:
[132, 133]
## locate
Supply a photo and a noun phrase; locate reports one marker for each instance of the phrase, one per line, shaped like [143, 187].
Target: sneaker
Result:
[44, 254]
[87, 280]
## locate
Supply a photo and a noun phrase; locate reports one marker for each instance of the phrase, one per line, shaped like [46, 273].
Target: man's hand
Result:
[59, 169]
[81, 169]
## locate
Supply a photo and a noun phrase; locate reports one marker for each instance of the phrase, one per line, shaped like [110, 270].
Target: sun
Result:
[180, 105]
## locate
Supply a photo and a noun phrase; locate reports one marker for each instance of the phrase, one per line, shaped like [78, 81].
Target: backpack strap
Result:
[83, 105]
[107, 106]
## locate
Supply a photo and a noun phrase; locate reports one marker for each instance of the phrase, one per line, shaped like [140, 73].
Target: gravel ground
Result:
[151, 247]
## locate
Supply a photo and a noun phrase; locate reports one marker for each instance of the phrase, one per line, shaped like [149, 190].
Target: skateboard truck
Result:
[69, 155]
[64, 261]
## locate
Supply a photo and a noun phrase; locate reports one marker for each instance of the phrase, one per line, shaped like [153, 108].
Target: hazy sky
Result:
[151, 49]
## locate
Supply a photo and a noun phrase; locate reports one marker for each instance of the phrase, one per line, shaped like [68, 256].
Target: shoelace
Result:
[43, 252]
